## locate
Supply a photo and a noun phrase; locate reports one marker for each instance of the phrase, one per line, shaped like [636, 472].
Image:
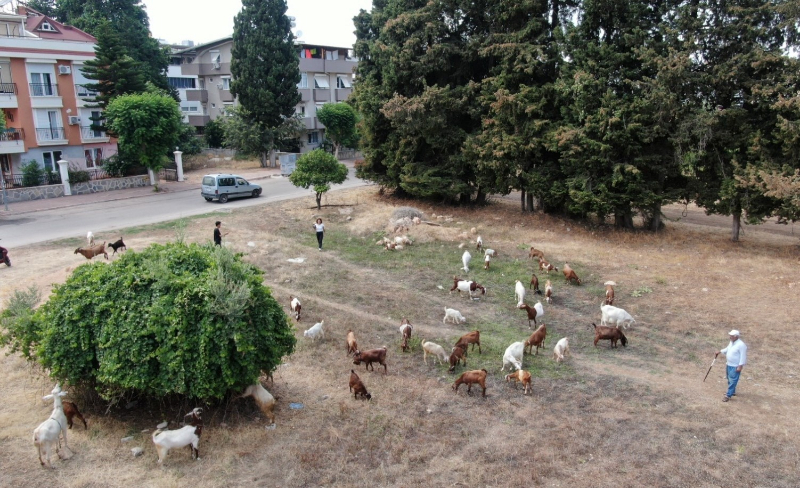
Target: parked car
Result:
[222, 187]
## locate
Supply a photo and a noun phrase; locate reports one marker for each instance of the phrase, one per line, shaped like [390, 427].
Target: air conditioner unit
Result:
[64, 69]
[74, 120]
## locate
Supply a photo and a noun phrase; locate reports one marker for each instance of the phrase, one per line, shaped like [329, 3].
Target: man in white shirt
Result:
[736, 356]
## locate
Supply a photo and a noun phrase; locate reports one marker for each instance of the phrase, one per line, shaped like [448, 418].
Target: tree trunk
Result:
[522, 199]
[336, 151]
[319, 201]
[529, 199]
[272, 162]
[263, 159]
[464, 199]
[737, 225]
[480, 198]
[623, 219]
[655, 220]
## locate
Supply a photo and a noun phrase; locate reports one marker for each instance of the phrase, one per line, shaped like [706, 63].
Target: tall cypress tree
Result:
[265, 65]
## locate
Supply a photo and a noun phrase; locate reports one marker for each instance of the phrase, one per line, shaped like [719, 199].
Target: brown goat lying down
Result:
[470, 378]
[357, 387]
[613, 334]
[93, 251]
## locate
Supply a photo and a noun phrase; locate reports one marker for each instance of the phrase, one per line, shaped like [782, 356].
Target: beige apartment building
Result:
[326, 77]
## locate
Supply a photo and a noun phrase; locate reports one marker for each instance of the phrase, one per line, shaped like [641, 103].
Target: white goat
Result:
[90, 238]
[453, 315]
[316, 332]
[548, 292]
[491, 252]
[434, 350]
[519, 292]
[263, 398]
[46, 436]
[616, 316]
[465, 259]
[539, 310]
[561, 349]
[479, 244]
[188, 435]
[486, 260]
[513, 356]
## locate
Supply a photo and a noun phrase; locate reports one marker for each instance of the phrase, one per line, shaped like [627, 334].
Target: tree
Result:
[264, 65]
[320, 170]
[192, 320]
[214, 133]
[254, 138]
[46, 7]
[147, 125]
[340, 123]
[188, 142]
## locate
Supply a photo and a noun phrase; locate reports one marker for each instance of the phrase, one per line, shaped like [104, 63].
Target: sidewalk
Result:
[191, 183]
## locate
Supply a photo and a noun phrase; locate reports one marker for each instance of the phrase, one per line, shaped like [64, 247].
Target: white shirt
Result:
[319, 227]
[736, 353]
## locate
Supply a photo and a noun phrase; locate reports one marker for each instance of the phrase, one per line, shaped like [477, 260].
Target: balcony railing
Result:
[51, 134]
[12, 135]
[88, 133]
[44, 90]
[8, 88]
[84, 92]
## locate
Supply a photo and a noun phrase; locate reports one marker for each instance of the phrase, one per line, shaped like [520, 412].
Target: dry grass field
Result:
[630, 417]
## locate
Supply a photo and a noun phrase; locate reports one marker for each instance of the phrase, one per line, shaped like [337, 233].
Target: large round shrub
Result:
[173, 319]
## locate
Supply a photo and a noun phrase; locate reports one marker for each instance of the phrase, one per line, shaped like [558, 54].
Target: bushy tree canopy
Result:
[173, 319]
[319, 169]
[340, 124]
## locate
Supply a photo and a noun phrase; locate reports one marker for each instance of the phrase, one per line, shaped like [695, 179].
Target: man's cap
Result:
[734, 332]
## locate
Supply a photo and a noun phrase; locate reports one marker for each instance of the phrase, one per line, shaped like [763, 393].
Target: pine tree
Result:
[265, 65]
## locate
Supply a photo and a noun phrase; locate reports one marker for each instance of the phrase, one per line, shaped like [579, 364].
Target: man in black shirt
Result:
[217, 234]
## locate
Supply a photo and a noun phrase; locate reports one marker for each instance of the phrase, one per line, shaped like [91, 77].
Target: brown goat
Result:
[548, 292]
[547, 267]
[71, 411]
[609, 292]
[470, 378]
[468, 286]
[532, 313]
[535, 253]
[91, 252]
[535, 284]
[371, 356]
[459, 354]
[473, 338]
[295, 307]
[352, 345]
[613, 334]
[570, 275]
[523, 377]
[537, 339]
[357, 387]
[405, 330]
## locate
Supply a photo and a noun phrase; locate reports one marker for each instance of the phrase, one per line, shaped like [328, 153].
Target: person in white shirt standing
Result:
[736, 356]
[320, 228]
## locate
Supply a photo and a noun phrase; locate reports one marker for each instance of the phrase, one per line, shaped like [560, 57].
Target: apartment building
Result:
[326, 76]
[43, 95]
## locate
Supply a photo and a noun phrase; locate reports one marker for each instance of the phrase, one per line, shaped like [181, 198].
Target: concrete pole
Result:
[5, 195]
[179, 163]
[63, 166]
[152, 177]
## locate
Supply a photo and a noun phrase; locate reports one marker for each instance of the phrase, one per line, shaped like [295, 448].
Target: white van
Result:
[222, 187]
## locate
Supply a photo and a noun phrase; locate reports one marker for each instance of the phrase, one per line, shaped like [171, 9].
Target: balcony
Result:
[322, 95]
[51, 136]
[309, 123]
[12, 141]
[205, 69]
[197, 96]
[343, 93]
[305, 94]
[90, 135]
[8, 95]
[44, 95]
[199, 120]
[226, 95]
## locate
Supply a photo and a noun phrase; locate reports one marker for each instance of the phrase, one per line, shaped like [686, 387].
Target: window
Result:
[226, 182]
[313, 137]
[303, 81]
[46, 26]
[184, 109]
[50, 159]
[94, 157]
[300, 110]
[181, 83]
[226, 82]
[41, 85]
[342, 82]
[5, 163]
[321, 81]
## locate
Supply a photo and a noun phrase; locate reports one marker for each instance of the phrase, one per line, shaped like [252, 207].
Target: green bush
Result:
[32, 173]
[214, 134]
[173, 319]
[115, 166]
[77, 175]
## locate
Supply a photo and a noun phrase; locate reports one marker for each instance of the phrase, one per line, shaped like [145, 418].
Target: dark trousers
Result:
[319, 239]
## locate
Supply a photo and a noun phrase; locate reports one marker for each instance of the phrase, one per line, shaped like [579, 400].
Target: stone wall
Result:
[93, 186]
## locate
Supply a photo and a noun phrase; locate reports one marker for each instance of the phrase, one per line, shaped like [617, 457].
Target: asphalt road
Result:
[46, 225]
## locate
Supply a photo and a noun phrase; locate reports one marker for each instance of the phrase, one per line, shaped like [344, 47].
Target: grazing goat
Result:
[91, 252]
[609, 292]
[612, 334]
[371, 356]
[535, 284]
[491, 252]
[467, 286]
[523, 377]
[315, 332]
[71, 411]
[473, 338]
[535, 253]
[486, 260]
[434, 350]
[188, 435]
[458, 354]
[533, 312]
[470, 378]
[465, 259]
[561, 349]
[117, 245]
[614, 315]
[295, 307]
[548, 292]
[405, 330]
[479, 244]
[352, 345]
[519, 292]
[357, 387]
[569, 274]
[46, 435]
[547, 267]
[263, 398]
[454, 315]
[90, 239]
[513, 356]
[537, 339]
